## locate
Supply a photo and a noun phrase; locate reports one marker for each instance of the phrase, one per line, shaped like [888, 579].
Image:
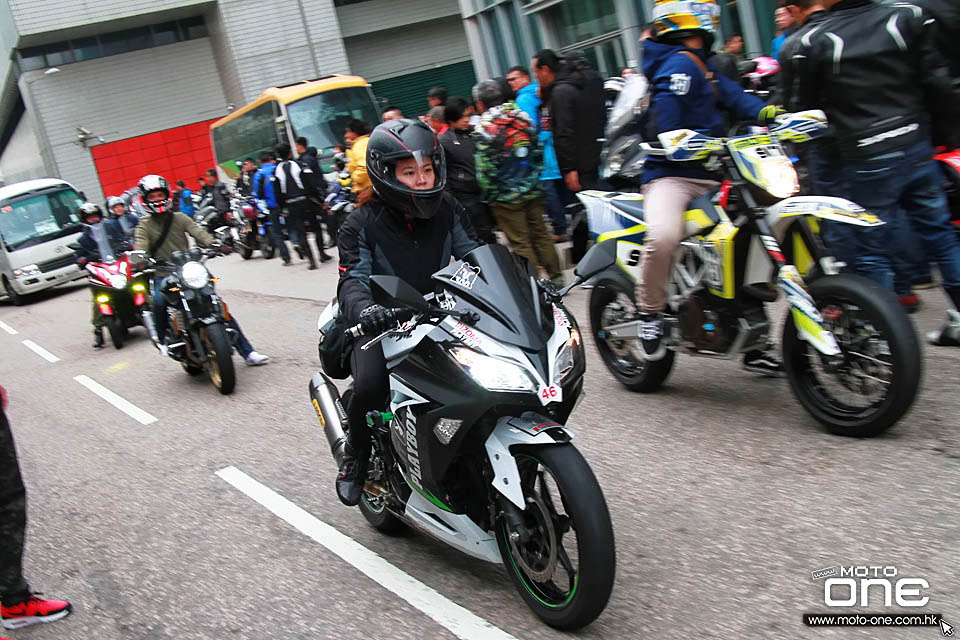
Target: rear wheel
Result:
[16, 298]
[611, 304]
[249, 243]
[116, 329]
[220, 365]
[562, 559]
[875, 380]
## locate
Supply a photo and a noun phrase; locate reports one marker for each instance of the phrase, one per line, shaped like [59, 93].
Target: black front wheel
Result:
[874, 381]
[220, 365]
[249, 242]
[116, 329]
[611, 304]
[16, 298]
[562, 559]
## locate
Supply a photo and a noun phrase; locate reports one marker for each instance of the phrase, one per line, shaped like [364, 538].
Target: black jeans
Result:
[297, 215]
[370, 387]
[13, 520]
[276, 235]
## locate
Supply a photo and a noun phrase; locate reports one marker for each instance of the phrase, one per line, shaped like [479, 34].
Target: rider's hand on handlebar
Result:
[377, 319]
[769, 114]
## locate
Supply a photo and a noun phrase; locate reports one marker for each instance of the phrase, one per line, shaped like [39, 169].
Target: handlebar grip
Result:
[355, 332]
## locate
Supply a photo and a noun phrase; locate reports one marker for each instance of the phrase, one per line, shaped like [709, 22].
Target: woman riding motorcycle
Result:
[90, 214]
[687, 93]
[410, 229]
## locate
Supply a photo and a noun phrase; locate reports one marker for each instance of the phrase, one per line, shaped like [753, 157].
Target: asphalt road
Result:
[724, 494]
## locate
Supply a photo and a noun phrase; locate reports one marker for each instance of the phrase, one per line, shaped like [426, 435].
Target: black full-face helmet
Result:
[396, 140]
[152, 183]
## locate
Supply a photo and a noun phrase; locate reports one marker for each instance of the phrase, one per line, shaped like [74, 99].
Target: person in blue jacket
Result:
[687, 93]
[263, 190]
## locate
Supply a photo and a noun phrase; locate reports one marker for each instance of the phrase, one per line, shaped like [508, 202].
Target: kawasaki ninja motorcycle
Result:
[852, 357]
[471, 446]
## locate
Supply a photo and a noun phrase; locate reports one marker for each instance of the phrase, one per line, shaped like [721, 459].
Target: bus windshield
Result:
[37, 217]
[322, 118]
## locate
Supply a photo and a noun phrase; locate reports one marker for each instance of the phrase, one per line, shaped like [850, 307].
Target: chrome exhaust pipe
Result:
[148, 323]
[326, 401]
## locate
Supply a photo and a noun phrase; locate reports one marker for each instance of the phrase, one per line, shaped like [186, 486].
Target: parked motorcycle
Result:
[119, 289]
[256, 229]
[201, 339]
[850, 352]
[472, 447]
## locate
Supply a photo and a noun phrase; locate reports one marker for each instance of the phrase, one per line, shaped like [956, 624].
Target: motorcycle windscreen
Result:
[500, 287]
[98, 232]
[629, 104]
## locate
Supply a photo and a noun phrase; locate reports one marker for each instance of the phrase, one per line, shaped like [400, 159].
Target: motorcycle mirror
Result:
[74, 245]
[390, 290]
[600, 257]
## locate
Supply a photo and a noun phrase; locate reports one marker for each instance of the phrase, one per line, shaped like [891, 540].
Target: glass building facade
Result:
[504, 33]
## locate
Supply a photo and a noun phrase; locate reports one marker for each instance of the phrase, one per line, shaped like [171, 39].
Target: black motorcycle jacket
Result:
[460, 152]
[786, 92]
[375, 240]
[876, 71]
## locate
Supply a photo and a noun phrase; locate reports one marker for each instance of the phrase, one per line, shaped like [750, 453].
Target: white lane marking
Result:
[8, 328]
[458, 620]
[40, 351]
[128, 408]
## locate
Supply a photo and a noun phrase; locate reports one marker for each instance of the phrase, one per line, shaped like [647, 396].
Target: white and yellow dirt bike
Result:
[850, 352]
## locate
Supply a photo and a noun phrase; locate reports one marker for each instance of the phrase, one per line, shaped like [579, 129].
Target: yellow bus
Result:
[318, 110]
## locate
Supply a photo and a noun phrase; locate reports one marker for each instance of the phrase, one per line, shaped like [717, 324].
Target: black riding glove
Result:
[376, 319]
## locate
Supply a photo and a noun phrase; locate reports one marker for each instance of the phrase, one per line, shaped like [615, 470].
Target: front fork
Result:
[806, 316]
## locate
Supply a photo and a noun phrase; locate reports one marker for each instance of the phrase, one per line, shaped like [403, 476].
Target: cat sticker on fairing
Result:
[466, 276]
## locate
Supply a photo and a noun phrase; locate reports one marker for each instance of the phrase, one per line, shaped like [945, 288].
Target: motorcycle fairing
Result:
[780, 215]
[806, 316]
[528, 429]
[457, 530]
[721, 275]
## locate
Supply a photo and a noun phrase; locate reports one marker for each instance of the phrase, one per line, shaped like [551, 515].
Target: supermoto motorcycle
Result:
[852, 357]
[201, 340]
[471, 446]
[119, 289]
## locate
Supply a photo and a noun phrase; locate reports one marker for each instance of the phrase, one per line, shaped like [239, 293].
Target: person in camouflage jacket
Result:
[509, 162]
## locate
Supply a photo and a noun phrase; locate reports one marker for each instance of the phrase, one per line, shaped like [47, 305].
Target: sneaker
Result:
[299, 251]
[256, 359]
[767, 363]
[924, 282]
[651, 336]
[910, 302]
[164, 350]
[34, 611]
[325, 257]
[949, 335]
[288, 263]
[352, 477]
[97, 343]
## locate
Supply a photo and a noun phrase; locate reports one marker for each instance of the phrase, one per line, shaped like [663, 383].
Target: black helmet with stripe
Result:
[396, 140]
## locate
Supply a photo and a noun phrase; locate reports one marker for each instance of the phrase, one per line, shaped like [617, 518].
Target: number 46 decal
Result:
[553, 393]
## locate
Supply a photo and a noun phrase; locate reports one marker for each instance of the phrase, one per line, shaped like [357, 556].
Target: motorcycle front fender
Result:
[529, 429]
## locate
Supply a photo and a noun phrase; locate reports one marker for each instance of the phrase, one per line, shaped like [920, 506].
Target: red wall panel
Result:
[181, 153]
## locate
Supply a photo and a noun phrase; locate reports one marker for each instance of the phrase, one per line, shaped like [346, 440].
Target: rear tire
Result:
[626, 364]
[540, 568]
[879, 345]
[380, 518]
[17, 299]
[246, 251]
[220, 366]
[115, 327]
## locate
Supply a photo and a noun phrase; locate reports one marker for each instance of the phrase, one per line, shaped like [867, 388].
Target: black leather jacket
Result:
[876, 71]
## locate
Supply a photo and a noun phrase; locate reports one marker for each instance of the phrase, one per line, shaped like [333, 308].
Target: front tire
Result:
[116, 329]
[220, 365]
[17, 299]
[562, 497]
[879, 377]
[246, 251]
[612, 303]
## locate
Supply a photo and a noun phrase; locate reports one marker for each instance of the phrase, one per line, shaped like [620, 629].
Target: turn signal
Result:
[103, 298]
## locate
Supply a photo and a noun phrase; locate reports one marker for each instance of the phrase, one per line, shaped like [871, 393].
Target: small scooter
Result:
[119, 289]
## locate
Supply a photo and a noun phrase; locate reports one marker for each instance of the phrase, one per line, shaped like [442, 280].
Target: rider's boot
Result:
[651, 336]
[98, 337]
[352, 476]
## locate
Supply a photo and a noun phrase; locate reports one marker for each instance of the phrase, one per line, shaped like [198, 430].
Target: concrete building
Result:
[100, 93]
[504, 33]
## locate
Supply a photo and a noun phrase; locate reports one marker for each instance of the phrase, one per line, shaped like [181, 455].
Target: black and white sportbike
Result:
[471, 446]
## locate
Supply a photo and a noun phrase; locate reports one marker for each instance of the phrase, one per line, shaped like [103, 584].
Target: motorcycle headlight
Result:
[491, 373]
[568, 355]
[194, 275]
[118, 281]
[779, 177]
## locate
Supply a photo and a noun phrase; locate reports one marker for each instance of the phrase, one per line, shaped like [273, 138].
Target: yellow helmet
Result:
[676, 16]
